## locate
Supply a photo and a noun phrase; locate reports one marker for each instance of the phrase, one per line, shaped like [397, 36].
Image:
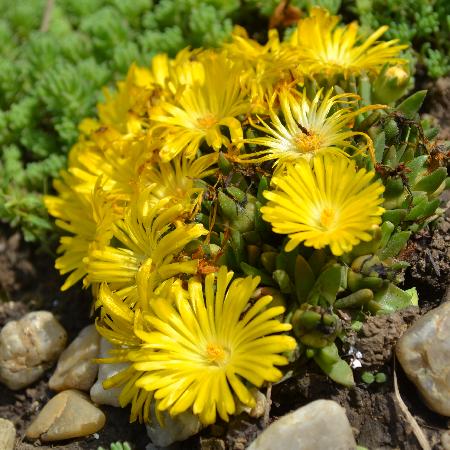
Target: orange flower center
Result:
[217, 354]
[308, 142]
[207, 121]
[327, 217]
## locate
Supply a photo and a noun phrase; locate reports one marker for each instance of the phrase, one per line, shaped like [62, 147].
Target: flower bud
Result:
[391, 84]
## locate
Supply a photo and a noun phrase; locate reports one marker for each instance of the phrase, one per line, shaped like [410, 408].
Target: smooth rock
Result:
[28, 347]
[424, 353]
[67, 415]
[98, 393]
[445, 440]
[260, 405]
[320, 425]
[177, 428]
[7, 435]
[76, 368]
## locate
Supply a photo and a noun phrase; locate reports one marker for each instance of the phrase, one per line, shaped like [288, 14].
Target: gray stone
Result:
[177, 428]
[424, 353]
[76, 368]
[320, 425]
[7, 435]
[28, 347]
[67, 415]
[98, 393]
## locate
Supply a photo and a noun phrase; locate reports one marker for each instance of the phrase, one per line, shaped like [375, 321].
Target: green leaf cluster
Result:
[117, 446]
[423, 24]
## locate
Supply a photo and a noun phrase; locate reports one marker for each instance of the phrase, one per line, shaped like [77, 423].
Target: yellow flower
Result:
[328, 50]
[116, 323]
[178, 179]
[201, 349]
[330, 203]
[269, 65]
[212, 98]
[150, 236]
[307, 127]
[89, 218]
[126, 108]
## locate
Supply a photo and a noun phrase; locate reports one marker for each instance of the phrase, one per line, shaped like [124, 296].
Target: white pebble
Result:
[28, 347]
[98, 393]
[76, 368]
[320, 425]
[424, 353]
[7, 435]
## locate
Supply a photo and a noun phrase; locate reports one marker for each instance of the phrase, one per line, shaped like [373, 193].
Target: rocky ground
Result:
[29, 283]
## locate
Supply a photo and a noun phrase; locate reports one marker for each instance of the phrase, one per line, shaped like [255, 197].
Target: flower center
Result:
[217, 354]
[207, 121]
[307, 142]
[327, 217]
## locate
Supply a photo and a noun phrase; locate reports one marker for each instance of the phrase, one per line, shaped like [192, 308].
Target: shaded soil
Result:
[29, 282]
[437, 103]
[429, 256]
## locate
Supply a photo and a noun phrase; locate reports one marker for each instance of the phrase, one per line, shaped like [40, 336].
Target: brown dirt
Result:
[437, 103]
[30, 283]
[428, 254]
[379, 334]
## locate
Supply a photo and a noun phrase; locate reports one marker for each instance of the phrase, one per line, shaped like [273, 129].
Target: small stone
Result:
[67, 415]
[445, 440]
[28, 347]
[98, 393]
[7, 435]
[320, 425]
[424, 353]
[177, 428]
[259, 408]
[76, 368]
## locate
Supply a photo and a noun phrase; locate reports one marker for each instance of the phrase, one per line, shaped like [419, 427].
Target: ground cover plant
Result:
[237, 215]
[268, 165]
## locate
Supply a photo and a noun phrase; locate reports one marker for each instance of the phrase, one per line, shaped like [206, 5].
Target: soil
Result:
[437, 103]
[29, 282]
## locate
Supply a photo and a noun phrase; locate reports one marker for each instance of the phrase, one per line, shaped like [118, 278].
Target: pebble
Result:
[177, 428]
[260, 406]
[7, 435]
[320, 425]
[76, 368]
[67, 415]
[445, 440]
[28, 347]
[424, 353]
[98, 393]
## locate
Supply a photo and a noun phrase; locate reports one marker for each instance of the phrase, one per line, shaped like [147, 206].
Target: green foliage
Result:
[117, 446]
[424, 24]
[51, 79]
[327, 295]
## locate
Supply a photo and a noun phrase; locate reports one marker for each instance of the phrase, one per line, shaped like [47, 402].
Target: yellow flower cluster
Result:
[139, 176]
